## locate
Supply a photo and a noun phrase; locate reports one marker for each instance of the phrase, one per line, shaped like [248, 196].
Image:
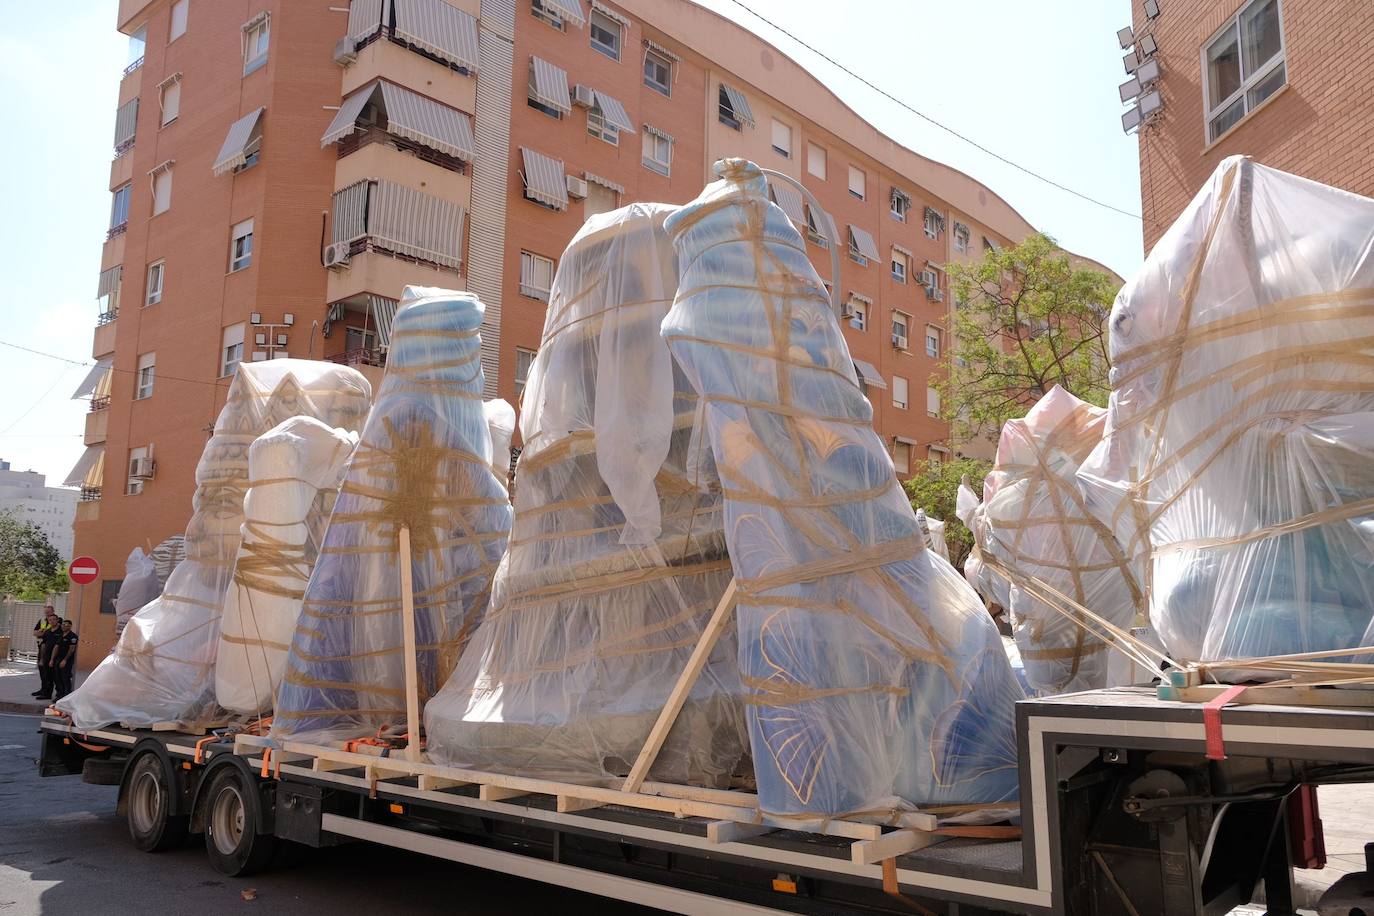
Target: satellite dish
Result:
[1148, 72]
[1130, 120]
[1126, 36]
[1131, 61]
[1151, 9]
[1150, 102]
[1148, 46]
[1129, 89]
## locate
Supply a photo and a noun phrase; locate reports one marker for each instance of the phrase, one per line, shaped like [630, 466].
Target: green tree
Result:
[30, 567]
[1026, 319]
[934, 487]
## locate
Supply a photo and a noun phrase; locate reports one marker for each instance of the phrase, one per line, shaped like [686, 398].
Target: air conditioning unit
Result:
[336, 256]
[577, 187]
[846, 310]
[936, 294]
[583, 96]
[344, 53]
[928, 279]
[899, 341]
[142, 468]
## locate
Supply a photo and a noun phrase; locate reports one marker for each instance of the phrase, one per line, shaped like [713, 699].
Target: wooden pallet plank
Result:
[1274, 695]
[569, 803]
[499, 793]
[890, 845]
[734, 831]
[430, 783]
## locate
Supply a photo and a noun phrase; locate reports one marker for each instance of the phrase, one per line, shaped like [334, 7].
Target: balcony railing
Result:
[117, 230]
[360, 356]
[90, 494]
[132, 67]
[105, 318]
[100, 403]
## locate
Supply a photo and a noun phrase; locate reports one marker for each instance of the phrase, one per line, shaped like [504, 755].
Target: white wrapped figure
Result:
[162, 667]
[1238, 463]
[140, 586]
[423, 462]
[617, 554]
[294, 471]
[876, 679]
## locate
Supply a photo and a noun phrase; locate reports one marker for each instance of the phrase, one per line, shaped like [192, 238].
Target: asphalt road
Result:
[63, 850]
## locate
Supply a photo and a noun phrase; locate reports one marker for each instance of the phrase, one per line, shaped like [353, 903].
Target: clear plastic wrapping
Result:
[140, 586]
[876, 679]
[424, 462]
[294, 471]
[162, 667]
[1238, 465]
[617, 555]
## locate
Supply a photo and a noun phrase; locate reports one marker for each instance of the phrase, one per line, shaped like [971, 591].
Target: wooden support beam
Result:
[499, 793]
[659, 733]
[890, 845]
[430, 783]
[734, 831]
[1274, 695]
[408, 636]
[569, 803]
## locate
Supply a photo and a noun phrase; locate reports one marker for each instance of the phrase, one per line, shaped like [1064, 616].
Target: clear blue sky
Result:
[1035, 82]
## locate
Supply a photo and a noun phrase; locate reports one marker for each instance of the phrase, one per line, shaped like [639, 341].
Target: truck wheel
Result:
[149, 803]
[232, 840]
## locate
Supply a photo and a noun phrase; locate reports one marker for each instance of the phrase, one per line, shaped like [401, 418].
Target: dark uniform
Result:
[66, 666]
[48, 644]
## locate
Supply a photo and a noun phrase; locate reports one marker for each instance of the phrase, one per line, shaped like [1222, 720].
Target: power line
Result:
[925, 117]
[156, 375]
[60, 376]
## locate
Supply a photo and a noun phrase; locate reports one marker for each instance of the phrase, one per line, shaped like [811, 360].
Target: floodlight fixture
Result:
[255, 318]
[1150, 102]
[1148, 46]
[260, 339]
[1130, 61]
[1126, 37]
[1130, 120]
[1151, 9]
[281, 340]
[1129, 89]
[288, 319]
[1148, 72]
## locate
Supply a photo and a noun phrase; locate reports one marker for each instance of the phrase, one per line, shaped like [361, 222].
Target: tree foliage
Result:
[1027, 319]
[934, 487]
[30, 567]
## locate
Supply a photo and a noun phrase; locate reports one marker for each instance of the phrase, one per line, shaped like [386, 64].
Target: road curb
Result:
[34, 709]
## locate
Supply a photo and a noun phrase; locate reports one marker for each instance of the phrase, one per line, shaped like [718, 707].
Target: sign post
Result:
[82, 571]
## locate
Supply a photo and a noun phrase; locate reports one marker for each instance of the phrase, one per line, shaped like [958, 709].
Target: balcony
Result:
[88, 510]
[386, 274]
[367, 361]
[90, 494]
[97, 425]
[103, 343]
[407, 68]
[122, 172]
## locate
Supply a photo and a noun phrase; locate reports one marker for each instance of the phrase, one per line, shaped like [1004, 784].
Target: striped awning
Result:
[242, 134]
[383, 312]
[364, 18]
[88, 468]
[93, 378]
[739, 104]
[345, 121]
[443, 30]
[350, 212]
[417, 224]
[654, 46]
[869, 374]
[790, 200]
[661, 134]
[862, 242]
[613, 111]
[545, 180]
[607, 11]
[549, 85]
[126, 122]
[109, 281]
[257, 20]
[569, 10]
[604, 182]
[428, 122]
[905, 252]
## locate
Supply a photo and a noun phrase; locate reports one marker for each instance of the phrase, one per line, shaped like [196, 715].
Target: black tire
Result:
[232, 840]
[148, 805]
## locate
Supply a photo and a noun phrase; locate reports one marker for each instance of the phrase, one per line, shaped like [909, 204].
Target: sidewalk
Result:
[18, 679]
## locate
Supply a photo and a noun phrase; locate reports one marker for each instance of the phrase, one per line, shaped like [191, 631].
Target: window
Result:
[1243, 65]
[934, 223]
[728, 112]
[255, 38]
[241, 246]
[932, 402]
[547, 14]
[899, 392]
[815, 160]
[138, 459]
[899, 263]
[119, 206]
[231, 350]
[360, 339]
[524, 359]
[857, 182]
[599, 128]
[154, 287]
[605, 34]
[600, 199]
[658, 152]
[162, 190]
[658, 72]
[782, 139]
[169, 97]
[813, 229]
[932, 342]
[147, 364]
[961, 237]
[858, 315]
[900, 203]
[138, 42]
[178, 28]
[901, 457]
[900, 322]
[937, 454]
[536, 276]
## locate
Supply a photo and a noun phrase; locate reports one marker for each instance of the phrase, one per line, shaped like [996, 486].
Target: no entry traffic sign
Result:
[84, 570]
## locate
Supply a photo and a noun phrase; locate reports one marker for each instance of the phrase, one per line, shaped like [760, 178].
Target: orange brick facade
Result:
[1320, 125]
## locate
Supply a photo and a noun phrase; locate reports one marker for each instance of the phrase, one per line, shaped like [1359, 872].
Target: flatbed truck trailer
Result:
[1130, 805]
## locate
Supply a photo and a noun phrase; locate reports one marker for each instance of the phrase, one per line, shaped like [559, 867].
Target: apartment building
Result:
[1279, 80]
[282, 170]
[25, 495]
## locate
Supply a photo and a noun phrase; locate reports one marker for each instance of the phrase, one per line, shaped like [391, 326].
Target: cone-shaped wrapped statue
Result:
[423, 462]
[877, 680]
[294, 471]
[617, 555]
[161, 670]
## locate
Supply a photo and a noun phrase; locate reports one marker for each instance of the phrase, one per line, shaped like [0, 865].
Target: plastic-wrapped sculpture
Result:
[424, 463]
[161, 670]
[501, 427]
[167, 556]
[140, 586]
[1240, 433]
[934, 531]
[876, 679]
[1035, 525]
[294, 471]
[617, 555]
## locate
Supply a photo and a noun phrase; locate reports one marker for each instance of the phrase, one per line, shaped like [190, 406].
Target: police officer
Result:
[64, 660]
[48, 634]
